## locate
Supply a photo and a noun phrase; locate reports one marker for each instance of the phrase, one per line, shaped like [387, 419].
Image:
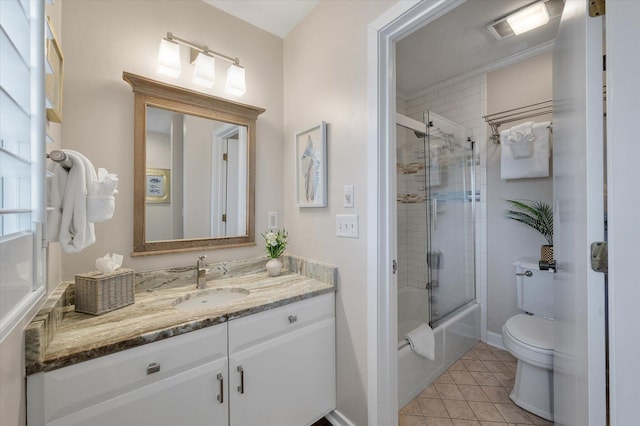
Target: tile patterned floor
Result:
[472, 392]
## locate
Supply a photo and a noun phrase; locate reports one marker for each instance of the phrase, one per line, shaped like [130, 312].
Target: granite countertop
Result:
[58, 336]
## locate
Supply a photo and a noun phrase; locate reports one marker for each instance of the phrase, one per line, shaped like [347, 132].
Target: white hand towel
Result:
[522, 132]
[530, 167]
[76, 231]
[422, 341]
[55, 194]
[520, 140]
[100, 199]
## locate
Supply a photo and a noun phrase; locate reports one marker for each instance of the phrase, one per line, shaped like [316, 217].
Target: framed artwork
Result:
[158, 186]
[54, 77]
[311, 167]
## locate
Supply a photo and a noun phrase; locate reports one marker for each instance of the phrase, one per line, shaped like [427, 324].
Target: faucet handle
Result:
[200, 261]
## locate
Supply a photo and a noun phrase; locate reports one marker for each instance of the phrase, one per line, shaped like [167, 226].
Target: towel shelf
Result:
[499, 118]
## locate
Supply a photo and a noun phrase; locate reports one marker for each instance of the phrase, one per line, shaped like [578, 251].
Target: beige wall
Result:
[517, 85]
[325, 80]
[103, 39]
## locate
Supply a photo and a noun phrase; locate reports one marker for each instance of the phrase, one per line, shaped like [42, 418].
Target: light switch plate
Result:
[347, 225]
[272, 220]
[348, 196]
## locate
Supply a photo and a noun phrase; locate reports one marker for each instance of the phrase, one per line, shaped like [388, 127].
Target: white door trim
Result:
[399, 20]
[579, 374]
[623, 151]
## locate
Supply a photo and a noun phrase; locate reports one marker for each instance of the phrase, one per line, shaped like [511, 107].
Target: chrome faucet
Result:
[201, 273]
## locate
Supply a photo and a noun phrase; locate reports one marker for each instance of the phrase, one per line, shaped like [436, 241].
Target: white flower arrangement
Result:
[275, 242]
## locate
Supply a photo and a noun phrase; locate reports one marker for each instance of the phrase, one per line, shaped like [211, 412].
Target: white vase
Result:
[274, 266]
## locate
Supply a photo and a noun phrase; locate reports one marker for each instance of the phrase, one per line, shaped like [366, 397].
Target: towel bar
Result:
[60, 157]
[497, 119]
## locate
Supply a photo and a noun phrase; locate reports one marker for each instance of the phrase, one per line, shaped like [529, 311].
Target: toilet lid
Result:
[531, 330]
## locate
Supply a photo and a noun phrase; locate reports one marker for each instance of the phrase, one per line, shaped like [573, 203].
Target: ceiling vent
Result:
[501, 28]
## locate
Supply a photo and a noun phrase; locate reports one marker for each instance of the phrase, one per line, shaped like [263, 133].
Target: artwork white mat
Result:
[311, 167]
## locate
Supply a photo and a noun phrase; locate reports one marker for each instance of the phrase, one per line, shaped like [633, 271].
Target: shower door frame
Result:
[432, 210]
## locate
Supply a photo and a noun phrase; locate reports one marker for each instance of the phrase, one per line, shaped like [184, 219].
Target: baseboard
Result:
[336, 418]
[494, 339]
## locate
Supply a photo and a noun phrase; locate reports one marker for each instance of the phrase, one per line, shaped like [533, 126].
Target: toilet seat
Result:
[530, 338]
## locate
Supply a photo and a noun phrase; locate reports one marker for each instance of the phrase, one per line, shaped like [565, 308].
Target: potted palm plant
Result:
[539, 216]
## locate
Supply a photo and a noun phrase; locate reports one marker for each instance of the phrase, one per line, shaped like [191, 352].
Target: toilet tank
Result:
[535, 292]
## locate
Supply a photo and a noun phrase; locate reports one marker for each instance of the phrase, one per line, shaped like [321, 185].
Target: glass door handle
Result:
[434, 213]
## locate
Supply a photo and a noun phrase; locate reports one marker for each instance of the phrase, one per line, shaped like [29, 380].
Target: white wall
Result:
[105, 38]
[514, 86]
[325, 69]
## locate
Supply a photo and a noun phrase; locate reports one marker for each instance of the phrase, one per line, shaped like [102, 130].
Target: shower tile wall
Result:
[462, 102]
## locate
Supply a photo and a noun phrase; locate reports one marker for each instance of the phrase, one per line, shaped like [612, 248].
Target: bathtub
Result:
[454, 336]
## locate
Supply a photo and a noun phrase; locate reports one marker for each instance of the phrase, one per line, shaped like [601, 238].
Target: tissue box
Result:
[98, 293]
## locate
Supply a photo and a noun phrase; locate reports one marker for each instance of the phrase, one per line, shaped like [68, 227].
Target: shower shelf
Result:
[411, 168]
[499, 118]
[411, 198]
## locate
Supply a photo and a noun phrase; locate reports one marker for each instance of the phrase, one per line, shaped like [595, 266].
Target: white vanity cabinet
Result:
[273, 368]
[176, 381]
[282, 364]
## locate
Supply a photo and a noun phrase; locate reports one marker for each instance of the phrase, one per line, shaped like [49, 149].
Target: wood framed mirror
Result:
[194, 169]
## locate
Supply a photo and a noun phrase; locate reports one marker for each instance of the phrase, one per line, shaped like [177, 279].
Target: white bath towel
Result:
[76, 231]
[422, 341]
[530, 167]
[79, 198]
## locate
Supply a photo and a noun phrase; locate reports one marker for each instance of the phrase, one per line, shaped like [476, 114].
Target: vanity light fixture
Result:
[527, 18]
[169, 58]
[204, 72]
[235, 80]
[204, 64]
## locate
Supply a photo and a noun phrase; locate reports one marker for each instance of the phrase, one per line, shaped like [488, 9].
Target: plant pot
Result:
[274, 267]
[546, 253]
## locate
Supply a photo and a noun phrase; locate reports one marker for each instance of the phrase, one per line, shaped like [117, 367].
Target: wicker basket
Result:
[98, 293]
[546, 253]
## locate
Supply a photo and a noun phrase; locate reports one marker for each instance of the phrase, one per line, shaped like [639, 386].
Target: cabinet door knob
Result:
[154, 367]
[293, 318]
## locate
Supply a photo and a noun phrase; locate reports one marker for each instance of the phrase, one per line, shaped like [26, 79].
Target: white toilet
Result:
[529, 338]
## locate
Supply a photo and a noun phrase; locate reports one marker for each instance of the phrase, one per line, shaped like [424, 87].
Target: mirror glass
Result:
[194, 169]
[196, 177]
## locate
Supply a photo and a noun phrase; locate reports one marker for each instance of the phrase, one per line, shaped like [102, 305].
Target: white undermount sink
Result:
[211, 298]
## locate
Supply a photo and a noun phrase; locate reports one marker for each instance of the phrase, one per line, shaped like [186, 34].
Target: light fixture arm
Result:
[203, 49]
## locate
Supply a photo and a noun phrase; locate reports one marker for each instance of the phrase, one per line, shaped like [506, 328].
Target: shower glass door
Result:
[450, 205]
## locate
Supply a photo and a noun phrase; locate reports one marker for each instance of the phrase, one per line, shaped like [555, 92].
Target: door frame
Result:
[623, 230]
[400, 20]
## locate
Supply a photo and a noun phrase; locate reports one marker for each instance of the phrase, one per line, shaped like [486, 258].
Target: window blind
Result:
[21, 158]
